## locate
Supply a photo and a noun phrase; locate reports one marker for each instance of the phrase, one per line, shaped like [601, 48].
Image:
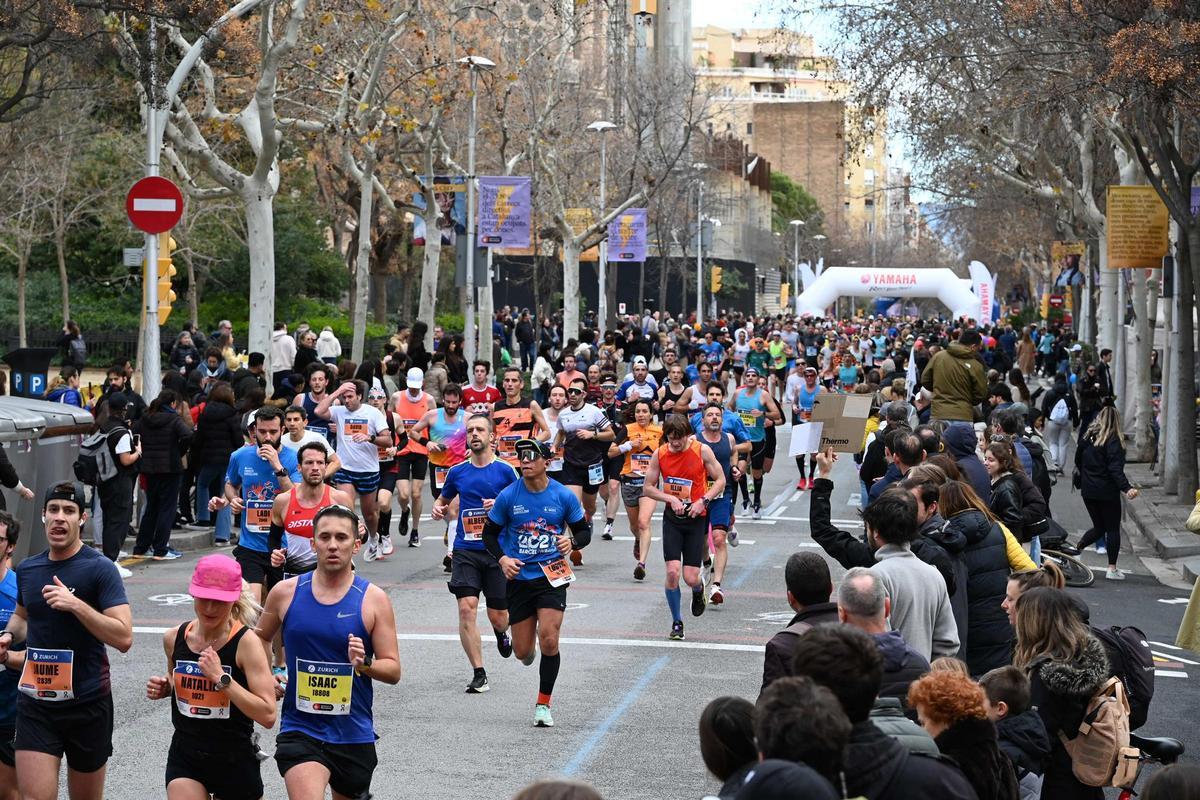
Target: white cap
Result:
[1075, 348]
[416, 378]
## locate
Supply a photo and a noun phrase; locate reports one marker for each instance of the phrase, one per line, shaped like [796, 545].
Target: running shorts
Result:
[526, 597]
[476, 571]
[758, 454]
[387, 480]
[227, 774]
[613, 467]
[350, 765]
[631, 491]
[771, 440]
[684, 539]
[573, 475]
[363, 482]
[256, 566]
[720, 511]
[412, 466]
[80, 731]
[8, 756]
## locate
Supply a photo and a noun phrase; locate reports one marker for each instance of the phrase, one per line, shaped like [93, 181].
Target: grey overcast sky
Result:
[749, 14]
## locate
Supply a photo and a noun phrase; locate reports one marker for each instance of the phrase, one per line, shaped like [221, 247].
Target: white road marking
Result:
[779, 513]
[741, 541]
[1169, 673]
[1173, 601]
[1176, 658]
[796, 496]
[1167, 646]
[854, 499]
[808, 544]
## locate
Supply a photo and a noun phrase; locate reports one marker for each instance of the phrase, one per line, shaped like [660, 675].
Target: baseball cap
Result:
[638, 361]
[375, 393]
[750, 371]
[217, 577]
[808, 370]
[416, 378]
[1075, 348]
[538, 448]
[66, 490]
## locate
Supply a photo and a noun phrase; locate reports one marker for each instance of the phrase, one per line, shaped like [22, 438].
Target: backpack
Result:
[1131, 661]
[1061, 413]
[1100, 751]
[95, 463]
[78, 351]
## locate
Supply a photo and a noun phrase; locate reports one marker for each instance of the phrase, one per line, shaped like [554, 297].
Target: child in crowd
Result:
[1021, 732]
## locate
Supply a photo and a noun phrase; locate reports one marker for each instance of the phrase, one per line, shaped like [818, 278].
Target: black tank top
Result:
[669, 398]
[203, 715]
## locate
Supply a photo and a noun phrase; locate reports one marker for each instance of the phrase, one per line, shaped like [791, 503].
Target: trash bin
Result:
[30, 366]
[19, 431]
[55, 452]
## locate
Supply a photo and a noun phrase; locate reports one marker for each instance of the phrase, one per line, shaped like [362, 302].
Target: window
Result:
[749, 128]
[869, 177]
[869, 202]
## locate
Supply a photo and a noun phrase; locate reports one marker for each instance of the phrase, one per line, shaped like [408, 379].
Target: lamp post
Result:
[475, 64]
[796, 224]
[700, 167]
[601, 127]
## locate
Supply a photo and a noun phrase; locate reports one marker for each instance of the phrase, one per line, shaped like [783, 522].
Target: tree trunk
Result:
[537, 294]
[427, 304]
[362, 272]
[610, 292]
[1143, 341]
[642, 287]
[570, 256]
[1185, 372]
[379, 297]
[260, 238]
[22, 271]
[60, 251]
[487, 310]
[193, 293]
[1107, 315]
[664, 267]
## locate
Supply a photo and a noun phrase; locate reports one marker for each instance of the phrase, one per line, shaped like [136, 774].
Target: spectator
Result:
[329, 349]
[218, 435]
[543, 376]
[951, 708]
[166, 432]
[1090, 396]
[961, 443]
[251, 376]
[1104, 375]
[875, 461]
[306, 352]
[905, 450]
[809, 586]
[949, 664]
[526, 338]
[957, 378]
[727, 742]
[205, 376]
[797, 720]
[65, 388]
[876, 766]
[924, 482]
[1016, 502]
[74, 349]
[185, 356]
[116, 493]
[116, 383]
[1011, 423]
[1019, 728]
[418, 356]
[283, 354]
[558, 790]
[1066, 666]
[1174, 783]
[1026, 355]
[1021, 581]
[1100, 460]
[228, 351]
[1062, 414]
[436, 378]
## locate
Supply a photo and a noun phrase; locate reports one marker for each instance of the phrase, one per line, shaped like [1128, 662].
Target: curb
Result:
[1169, 544]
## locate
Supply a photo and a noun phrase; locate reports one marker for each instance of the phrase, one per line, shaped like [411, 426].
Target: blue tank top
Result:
[756, 427]
[314, 423]
[724, 455]
[8, 677]
[325, 698]
[807, 398]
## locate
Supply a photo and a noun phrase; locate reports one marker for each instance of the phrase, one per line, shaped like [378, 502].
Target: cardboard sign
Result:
[838, 421]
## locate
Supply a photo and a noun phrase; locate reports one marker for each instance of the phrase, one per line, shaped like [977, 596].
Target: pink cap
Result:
[217, 577]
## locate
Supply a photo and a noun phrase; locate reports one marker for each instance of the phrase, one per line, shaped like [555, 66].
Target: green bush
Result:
[451, 321]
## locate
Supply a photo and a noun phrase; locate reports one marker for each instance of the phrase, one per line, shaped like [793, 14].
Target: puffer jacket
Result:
[888, 715]
[218, 434]
[165, 439]
[901, 665]
[1023, 739]
[971, 742]
[1101, 469]
[958, 381]
[881, 768]
[1060, 691]
[988, 640]
[960, 442]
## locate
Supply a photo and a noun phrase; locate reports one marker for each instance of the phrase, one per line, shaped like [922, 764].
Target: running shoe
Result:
[1101, 549]
[170, 555]
[715, 595]
[745, 503]
[811, 483]
[222, 543]
[371, 553]
[707, 561]
[699, 602]
[385, 544]
[757, 514]
[414, 539]
[504, 645]
[731, 537]
[676, 631]
[639, 572]
[1114, 574]
[447, 562]
[478, 685]
[800, 485]
[607, 535]
[403, 520]
[541, 717]
[577, 557]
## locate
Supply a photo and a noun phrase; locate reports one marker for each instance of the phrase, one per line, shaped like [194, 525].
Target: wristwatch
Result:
[224, 682]
[281, 472]
[366, 665]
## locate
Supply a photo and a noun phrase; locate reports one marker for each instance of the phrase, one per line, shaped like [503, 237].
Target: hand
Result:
[756, 412]
[355, 650]
[391, 452]
[825, 461]
[217, 503]
[636, 442]
[696, 509]
[278, 557]
[362, 530]
[280, 686]
[436, 447]
[360, 438]
[1132, 493]
[736, 473]
[237, 505]
[27, 493]
[59, 597]
[5, 642]
[585, 435]
[563, 542]
[487, 504]
[158, 687]
[511, 567]
[210, 664]
[346, 388]
[269, 454]
[677, 506]
[438, 512]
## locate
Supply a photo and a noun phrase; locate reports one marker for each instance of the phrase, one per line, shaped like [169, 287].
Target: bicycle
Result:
[1162, 751]
[1056, 548]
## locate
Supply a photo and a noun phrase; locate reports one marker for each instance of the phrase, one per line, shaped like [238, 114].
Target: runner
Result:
[10, 531]
[557, 399]
[516, 417]
[802, 396]
[638, 384]
[610, 491]
[388, 469]
[447, 445]
[731, 422]
[479, 395]
[641, 439]
[222, 685]
[413, 460]
[777, 373]
[527, 533]
[475, 483]
[296, 435]
[755, 406]
[758, 357]
[732, 458]
[70, 606]
[693, 398]
[685, 466]
[740, 349]
[361, 430]
[317, 378]
[669, 359]
[340, 636]
[585, 433]
[292, 513]
[672, 389]
[773, 420]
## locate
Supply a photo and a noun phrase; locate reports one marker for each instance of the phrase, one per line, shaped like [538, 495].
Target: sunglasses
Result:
[608, 386]
[574, 390]
[526, 456]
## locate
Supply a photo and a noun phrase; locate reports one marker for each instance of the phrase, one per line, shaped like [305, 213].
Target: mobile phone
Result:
[137, 441]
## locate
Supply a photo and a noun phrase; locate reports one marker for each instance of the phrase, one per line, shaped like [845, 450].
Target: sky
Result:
[747, 14]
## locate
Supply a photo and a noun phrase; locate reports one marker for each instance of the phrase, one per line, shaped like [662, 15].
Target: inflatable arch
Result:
[965, 297]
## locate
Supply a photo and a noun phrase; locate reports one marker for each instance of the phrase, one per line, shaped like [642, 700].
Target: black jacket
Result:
[880, 768]
[987, 637]
[1060, 691]
[1016, 501]
[8, 476]
[525, 332]
[777, 660]
[1056, 393]
[218, 434]
[874, 464]
[960, 442]
[972, 744]
[1023, 739]
[304, 357]
[953, 571]
[901, 665]
[1101, 470]
[1090, 393]
[775, 779]
[165, 438]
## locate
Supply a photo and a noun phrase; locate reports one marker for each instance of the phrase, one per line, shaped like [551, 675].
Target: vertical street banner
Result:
[450, 194]
[627, 236]
[1138, 228]
[505, 211]
[580, 219]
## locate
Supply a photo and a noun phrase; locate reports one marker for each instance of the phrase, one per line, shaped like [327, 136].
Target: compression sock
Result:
[547, 675]
[744, 485]
[800, 466]
[385, 523]
[758, 482]
[673, 604]
[609, 520]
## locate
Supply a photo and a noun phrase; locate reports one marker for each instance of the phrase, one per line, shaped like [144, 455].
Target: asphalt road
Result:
[627, 701]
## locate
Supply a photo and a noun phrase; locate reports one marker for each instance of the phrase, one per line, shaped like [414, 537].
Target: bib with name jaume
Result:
[48, 675]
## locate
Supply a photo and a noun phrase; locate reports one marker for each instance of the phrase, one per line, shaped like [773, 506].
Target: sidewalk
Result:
[1159, 518]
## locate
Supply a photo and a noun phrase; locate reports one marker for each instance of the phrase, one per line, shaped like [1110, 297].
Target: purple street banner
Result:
[1195, 201]
[627, 236]
[505, 211]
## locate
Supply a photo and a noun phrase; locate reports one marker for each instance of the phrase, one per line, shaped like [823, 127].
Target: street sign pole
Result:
[152, 349]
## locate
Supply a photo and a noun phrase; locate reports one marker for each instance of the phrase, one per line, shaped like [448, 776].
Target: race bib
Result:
[748, 419]
[680, 488]
[473, 520]
[48, 674]
[408, 424]
[596, 474]
[805, 414]
[258, 516]
[640, 462]
[439, 475]
[558, 572]
[507, 444]
[317, 429]
[555, 465]
[196, 696]
[353, 426]
[323, 687]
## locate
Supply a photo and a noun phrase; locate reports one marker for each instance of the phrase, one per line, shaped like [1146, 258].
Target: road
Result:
[627, 701]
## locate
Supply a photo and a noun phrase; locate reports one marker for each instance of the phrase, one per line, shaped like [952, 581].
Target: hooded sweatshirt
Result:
[901, 664]
[1023, 739]
[960, 442]
[958, 380]
[880, 768]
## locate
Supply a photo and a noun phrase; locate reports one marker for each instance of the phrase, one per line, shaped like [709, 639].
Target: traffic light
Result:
[166, 271]
[783, 294]
[716, 279]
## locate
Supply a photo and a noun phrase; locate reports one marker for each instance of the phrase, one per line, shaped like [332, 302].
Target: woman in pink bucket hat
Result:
[220, 679]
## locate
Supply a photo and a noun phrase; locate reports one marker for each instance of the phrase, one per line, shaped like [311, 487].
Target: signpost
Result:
[154, 205]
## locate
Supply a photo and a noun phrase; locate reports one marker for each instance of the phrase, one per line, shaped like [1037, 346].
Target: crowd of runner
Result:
[955, 472]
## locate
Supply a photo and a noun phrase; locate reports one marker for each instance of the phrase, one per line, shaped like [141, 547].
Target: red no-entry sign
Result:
[154, 205]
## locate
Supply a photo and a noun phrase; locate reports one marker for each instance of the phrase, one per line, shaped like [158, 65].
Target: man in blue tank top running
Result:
[339, 632]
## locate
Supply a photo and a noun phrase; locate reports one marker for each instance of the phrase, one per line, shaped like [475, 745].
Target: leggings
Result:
[1106, 524]
[812, 465]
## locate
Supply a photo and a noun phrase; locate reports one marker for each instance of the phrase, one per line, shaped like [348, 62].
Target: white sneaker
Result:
[385, 544]
[731, 537]
[124, 573]
[1114, 574]
[371, 553]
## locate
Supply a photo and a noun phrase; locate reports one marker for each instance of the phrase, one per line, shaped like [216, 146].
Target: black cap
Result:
[775, 779]
[532, 446]
[65, 490]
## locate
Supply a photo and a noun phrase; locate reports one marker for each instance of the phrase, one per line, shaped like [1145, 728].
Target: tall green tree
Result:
[789, 201]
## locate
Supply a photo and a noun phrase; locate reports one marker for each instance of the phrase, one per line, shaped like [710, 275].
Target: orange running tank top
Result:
[683, 474]
[410, 413]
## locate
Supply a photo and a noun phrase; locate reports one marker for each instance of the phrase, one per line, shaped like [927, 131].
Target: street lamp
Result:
[475, 64]
[796, 224]
[819, 239]
[700, 166]
[601, 127]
